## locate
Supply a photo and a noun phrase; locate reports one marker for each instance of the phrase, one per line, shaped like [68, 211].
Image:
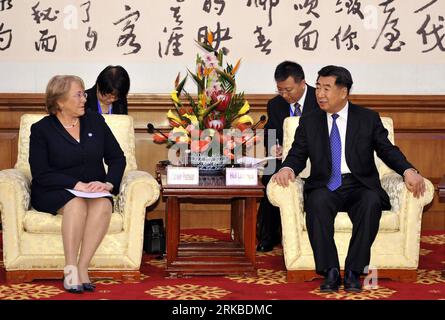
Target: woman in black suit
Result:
[67, 149]
[109, 94]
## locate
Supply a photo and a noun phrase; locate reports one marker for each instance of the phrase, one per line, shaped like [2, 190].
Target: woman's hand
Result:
[93, 186]
[82, 186]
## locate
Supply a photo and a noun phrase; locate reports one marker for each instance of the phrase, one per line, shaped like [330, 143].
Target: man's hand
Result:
[414, 182]
[283, 176]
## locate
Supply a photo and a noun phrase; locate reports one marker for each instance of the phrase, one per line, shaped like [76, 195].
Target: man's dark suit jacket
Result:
[278, 110]
[120, 106]
[58, 161]
[364, 135]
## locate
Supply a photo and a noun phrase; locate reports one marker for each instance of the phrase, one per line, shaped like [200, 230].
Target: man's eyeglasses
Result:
[79, 95]
[283, 91]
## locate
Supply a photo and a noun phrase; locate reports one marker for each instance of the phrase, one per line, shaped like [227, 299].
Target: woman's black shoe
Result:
[88, 286]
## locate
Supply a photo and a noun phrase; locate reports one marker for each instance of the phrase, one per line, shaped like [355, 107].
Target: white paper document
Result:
[90, 195]
[254, 162]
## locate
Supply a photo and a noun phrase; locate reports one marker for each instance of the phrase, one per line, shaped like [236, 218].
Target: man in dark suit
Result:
[294, 98]
[340, 140]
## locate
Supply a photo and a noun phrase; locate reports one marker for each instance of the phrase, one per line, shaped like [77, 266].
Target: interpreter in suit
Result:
[340, 140]
[67, 149]
[109, 94]
[294, 98]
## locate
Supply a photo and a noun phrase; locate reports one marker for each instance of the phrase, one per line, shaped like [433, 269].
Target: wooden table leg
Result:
[250, 213]
[173, 228]
[236, 220]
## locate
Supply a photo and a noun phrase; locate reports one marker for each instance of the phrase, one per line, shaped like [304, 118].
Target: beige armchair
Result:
[32, 241]
[395, 252]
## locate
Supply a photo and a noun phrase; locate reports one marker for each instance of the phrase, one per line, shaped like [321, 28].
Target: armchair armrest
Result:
[399, 195]
[409, 210]
[279, 196]
[14, 202]
[395, 187]
[138, 190]
[291, 204]
[14, 189]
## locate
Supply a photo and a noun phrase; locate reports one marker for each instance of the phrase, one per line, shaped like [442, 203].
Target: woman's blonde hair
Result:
[57, 88]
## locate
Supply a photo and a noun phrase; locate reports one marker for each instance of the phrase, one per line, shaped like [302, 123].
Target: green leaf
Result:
[181, 85]
[210, 109]
[199, 82]
[226, 77]
[205, 46]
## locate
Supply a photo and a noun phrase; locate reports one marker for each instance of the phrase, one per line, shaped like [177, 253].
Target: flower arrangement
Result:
[216, 120]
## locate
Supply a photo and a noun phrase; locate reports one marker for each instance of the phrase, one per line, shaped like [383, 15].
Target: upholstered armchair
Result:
[395, 252]
[32, 241]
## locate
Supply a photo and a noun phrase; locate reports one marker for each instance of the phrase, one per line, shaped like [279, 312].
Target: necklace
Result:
[73, 125]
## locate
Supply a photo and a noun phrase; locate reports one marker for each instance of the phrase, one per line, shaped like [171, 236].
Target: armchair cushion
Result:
[43, 223]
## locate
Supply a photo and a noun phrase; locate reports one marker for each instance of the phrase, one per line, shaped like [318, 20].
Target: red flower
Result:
[223, 98]
[243, 126]
[199, 145]
[159, 138]
[184, 110]
[214, 121]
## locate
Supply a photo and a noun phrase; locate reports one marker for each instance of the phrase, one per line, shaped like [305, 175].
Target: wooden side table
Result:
[214, 258]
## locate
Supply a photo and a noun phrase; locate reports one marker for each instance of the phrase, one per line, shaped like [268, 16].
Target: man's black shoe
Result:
[352, 281]
[264, 247]
[332, 281]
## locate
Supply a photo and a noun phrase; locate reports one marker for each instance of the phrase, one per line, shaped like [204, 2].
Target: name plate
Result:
[241, 176]
[182, 175]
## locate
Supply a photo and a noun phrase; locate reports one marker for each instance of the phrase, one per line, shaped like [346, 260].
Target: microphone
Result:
[152, 129]
[262, 119]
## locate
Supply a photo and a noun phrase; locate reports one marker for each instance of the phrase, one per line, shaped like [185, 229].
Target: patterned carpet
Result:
[269, 284]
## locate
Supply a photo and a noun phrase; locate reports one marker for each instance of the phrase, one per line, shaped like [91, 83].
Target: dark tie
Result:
[297, 109]
[335, 180]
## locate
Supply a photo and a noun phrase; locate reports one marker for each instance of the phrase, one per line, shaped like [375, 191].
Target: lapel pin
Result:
[90, 134]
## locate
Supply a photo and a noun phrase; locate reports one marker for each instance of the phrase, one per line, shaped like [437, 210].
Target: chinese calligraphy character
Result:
[426, 6]
[5, 38]
[353, 7]
[175, 35]
[46, 43]
[5, 5]
[172, 41]
[91, 44]
[272, 4]
[218, 35]
[44, 14]
[434, 32]
[308, 39]
[347, 36]
[262, 42]
[392, 35]
[312, 4]
[207, 6]
[87, 11]
[129, 37]
[176, 15]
